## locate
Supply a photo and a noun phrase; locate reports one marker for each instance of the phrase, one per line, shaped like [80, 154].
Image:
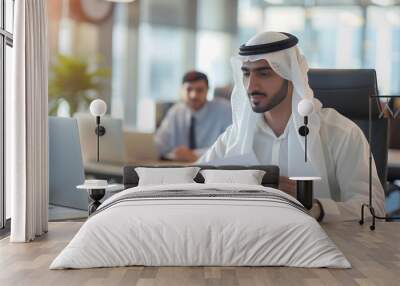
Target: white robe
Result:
[346, 153]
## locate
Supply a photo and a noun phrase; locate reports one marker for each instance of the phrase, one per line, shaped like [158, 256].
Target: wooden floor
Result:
[375, 257]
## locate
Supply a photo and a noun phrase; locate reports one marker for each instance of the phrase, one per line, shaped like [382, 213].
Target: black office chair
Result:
[162, 110]
[348, 91]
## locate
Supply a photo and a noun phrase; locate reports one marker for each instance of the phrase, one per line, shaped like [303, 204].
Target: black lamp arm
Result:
[100, 131]
[303, 131]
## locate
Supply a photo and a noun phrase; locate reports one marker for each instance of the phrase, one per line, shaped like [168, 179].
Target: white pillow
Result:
[249, 177]
[163, 176]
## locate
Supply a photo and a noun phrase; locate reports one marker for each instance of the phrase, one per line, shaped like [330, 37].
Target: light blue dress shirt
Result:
[211, 120]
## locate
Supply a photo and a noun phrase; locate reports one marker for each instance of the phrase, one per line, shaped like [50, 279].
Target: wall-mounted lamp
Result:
[98, 108]
[305, 108]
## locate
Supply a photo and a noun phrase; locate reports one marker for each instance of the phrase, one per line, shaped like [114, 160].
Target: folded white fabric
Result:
[163, 176]
[248, 177]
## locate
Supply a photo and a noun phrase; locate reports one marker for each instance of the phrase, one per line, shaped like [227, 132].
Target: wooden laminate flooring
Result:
[375, 257]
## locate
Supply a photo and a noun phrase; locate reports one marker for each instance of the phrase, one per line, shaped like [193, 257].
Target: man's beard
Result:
[276, 99]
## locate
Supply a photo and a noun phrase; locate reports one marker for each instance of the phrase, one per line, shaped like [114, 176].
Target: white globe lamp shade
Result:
[98, 107]
[305, 107]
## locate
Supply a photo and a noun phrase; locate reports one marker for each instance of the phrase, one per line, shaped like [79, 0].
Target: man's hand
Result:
[288, 186]
[316, 210]
[183, 153]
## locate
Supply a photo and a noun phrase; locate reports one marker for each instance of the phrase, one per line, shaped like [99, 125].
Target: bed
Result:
[199, 224]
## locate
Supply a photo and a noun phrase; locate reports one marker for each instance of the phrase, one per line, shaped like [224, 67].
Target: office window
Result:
[213, 57]
[331, 29]
[162, 63]
[276, 19]
[383, 47]
[6, 42]
[250, 20]
[335, 34]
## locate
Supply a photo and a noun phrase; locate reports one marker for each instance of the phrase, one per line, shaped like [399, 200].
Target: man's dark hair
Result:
[193, 75]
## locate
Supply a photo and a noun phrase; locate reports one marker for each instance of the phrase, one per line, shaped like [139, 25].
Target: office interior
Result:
[141, 53]
[133, 55]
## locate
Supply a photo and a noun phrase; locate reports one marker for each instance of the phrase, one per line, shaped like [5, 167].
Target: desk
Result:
[374, 255]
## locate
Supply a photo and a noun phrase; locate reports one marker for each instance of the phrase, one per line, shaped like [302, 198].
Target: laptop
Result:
[111, 143]
[65, 164]
[140, 146]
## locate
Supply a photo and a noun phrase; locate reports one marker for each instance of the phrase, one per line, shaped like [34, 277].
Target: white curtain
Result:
[26, 123]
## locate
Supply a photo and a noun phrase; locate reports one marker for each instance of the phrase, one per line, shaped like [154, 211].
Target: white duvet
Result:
[200, 231]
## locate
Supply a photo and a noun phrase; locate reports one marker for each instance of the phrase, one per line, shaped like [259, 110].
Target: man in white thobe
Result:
[270, 82]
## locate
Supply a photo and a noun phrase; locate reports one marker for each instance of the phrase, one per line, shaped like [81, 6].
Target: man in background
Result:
[192, 126]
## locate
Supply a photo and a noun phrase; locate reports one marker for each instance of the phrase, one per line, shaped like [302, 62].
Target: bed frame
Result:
[270, 179]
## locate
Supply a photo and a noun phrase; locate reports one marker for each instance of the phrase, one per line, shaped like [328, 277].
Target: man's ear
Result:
[290, 86]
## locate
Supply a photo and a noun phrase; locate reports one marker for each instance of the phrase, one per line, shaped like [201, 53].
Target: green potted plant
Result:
[72, 80]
